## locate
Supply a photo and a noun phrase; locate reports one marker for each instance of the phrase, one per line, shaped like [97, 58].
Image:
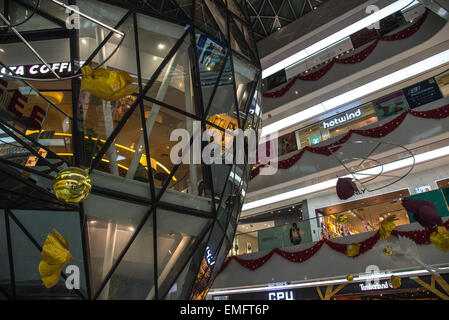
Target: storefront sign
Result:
[282, 295]
[40, 71]
[342, 119]
[390, 105]
[375, 286]
[422, 93]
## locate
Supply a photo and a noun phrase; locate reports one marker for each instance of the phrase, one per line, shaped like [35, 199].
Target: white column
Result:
[109, 249]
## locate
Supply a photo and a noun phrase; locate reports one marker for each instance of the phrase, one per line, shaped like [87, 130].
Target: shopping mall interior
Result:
[224, 150]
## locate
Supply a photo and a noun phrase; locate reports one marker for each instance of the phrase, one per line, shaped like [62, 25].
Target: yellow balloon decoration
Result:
[72, 185]
[395, 282]
[342, 218]
[55, 255]
[106, 84]
[387, 226]
[440, 239]
[388, 250]
[350, 277]
[352, 249]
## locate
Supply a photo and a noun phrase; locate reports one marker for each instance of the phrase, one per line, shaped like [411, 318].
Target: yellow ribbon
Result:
[106, 84]
[440, 239]
[55, 255]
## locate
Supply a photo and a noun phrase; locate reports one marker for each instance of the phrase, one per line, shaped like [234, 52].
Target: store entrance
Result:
[362, 215]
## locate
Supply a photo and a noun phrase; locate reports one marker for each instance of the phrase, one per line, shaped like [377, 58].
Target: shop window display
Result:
[186, 63]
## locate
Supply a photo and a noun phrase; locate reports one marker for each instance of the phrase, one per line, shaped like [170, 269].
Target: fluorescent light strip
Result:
[361, 175]
[373, 86]
[315, 283]
[346, 32]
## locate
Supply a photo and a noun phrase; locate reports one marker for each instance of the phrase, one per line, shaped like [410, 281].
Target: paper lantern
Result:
[72, 185]
[346, 188]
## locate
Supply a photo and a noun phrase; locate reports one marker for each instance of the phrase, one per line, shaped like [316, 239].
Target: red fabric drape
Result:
[420, 237]
[356, 58]
[378, 132]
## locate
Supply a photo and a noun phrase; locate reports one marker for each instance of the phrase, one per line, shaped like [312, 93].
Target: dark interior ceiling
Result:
[268, 16]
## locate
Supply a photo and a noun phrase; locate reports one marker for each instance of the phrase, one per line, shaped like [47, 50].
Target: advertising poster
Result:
[422, 93]
[211, 58]
[443, 82]
[390, 105]
[287, 143]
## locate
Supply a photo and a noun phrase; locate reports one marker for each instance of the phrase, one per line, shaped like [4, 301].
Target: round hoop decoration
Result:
[36, 6]
[357, 171]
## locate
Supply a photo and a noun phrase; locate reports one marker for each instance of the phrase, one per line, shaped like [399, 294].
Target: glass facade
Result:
[151, 228]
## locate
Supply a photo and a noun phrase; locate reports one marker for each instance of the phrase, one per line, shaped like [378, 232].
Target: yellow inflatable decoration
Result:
[395, 282]
[353, 249]
[72, 185]
[350, 277]
[388, 251]
[106, 84]
[55, 255]
[440, 239]
[387, 226]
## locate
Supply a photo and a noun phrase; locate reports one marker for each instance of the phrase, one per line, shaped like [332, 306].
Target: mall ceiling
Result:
[268, 16]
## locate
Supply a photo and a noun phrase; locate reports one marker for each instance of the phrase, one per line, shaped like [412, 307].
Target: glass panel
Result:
[109, 232]
[41, 223]
[176, 238]
[19, 13]
[218, 13]
[238, 41]
[246, 77]
[204, 19]
[163, 35]
[211, 55]
[5, 276]
[134, 277]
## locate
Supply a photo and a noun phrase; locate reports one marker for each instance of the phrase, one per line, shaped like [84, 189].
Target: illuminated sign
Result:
[375, 286]
[342, 119]
[209, 257]
[281, 295]
[39, 71]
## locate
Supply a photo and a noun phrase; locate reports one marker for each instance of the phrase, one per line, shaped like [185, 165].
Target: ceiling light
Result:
[373, 86]
[131, 229]
[161, 46]
[2, 50]
[84, 41]
[154, 58]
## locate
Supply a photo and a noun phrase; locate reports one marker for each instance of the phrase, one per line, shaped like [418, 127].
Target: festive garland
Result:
[378, 132]
[356, 58]
[420, 237]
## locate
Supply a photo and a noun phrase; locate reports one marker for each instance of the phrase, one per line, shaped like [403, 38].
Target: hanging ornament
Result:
[55, 255]
[353, 249]
[424, 212]
[388, 251]
[395, 282]
[72, 185]
[350, 277]
[346, 188]
[106, 84]
[342, 218]
[387, 226]
[440, 239]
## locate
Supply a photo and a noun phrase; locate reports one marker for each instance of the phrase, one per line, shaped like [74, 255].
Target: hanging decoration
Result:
[72, 185]
[356, 58]
[418, 237]
[388, 251]
[440, 238]
[424, 212]
[106, 84]
[346, 188]
[350, 277]
[353, 249]
[395, 282]
[377, 132]
[55, 255]
[387, 226]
